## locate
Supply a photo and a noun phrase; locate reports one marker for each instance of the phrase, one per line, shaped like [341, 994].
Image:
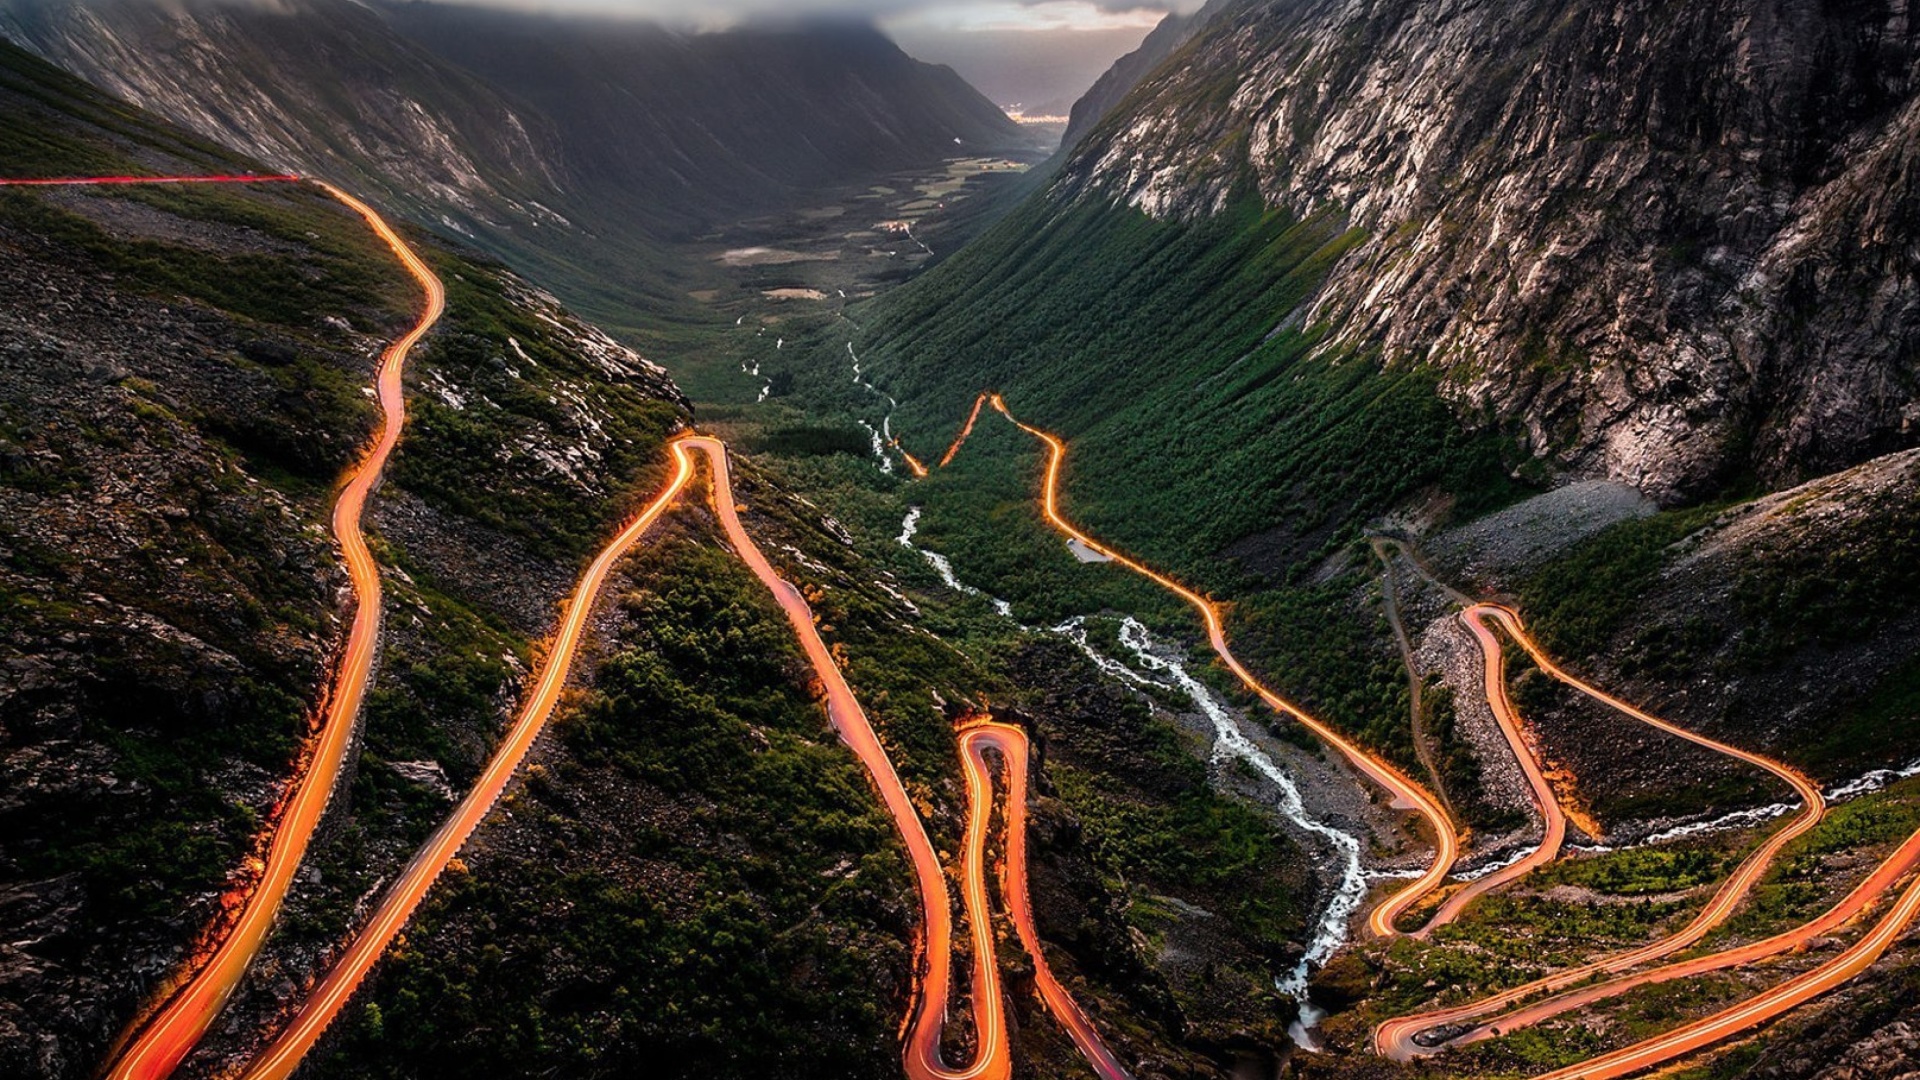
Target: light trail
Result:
[1397, 1038]
[992, 1059]
[1554, 833]
[1757, 1010]
[922, 1049]
[1407, 793]
[115, 181]
[914, 464]
[165, 1038]
[1011, 742]
[404, 896]
[1883, 878]
[961, 439]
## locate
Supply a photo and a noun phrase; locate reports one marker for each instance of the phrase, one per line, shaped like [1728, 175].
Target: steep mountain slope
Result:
[184, 381]
[1118, 81]
[1676, 248]
[573, 149]
[1332, 261]
[710, 126]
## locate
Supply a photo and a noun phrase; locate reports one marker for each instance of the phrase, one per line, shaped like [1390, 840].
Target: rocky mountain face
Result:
[707, 126]
[1126, 73]
[575, 150]
[1675, 246]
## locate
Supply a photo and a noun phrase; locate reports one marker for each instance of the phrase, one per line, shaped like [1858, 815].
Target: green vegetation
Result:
[1504, 940]
[1803, 883]
[718, 919]
[1578, 603]
[1204, 416]
[1640, 871]
[529, 398]
[355, 279]
[1202, 844]
[60, 126]
[1810, 592]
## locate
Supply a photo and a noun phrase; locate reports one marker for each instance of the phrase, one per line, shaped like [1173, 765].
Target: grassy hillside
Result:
[1177, 359]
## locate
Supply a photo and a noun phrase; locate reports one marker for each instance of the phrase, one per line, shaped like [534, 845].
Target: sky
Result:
[1040, 54]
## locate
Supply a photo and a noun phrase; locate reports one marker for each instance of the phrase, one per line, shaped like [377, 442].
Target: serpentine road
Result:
[1494, 678]
[160, 1040]
[1400, 1038]
[336, 987]
[157, 1044]
[992, 1059]
[1011, 742]
[1407, 794]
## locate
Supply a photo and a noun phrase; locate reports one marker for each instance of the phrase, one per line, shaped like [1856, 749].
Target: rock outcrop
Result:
[1674, 246]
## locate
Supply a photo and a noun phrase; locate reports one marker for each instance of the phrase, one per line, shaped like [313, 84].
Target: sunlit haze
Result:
[1038, 56]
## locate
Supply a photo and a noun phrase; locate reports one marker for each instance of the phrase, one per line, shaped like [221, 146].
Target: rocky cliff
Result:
[1677, 246]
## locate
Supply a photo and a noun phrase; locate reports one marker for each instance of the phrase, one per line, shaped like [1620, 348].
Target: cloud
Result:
[959, 15]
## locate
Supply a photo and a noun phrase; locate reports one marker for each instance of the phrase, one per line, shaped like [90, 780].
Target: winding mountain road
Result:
[1399, 1038]
[1409, 1037]
[922, 1055]
[160, 1040]
[992, 1059]
[1011, 743]
[1406, 793]
[1863, 896]
[1756, 1010]
[158, 1043]
[1554, 832]
[324, 1002]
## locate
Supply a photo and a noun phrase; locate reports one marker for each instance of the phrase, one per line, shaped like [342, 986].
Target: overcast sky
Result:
[1038, 53]
[953, 14]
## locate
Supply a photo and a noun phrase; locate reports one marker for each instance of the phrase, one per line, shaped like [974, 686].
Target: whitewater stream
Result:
[1230, 743]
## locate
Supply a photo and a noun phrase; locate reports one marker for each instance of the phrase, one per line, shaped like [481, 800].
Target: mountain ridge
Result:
[583, 166]
[1673, 252]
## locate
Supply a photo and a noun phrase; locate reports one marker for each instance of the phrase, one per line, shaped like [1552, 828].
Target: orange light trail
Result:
[961, 439]
[1884, 877]
[1407, 793]
[922, 1050]
[403, 897]
[975, 739]
[1395, 1038]
[165, 1039]
[1756, 1010]
[1554, 833]
[914, 464]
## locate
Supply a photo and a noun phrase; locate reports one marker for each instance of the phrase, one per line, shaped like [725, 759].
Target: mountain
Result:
[1676, 250]
[710, 127]
[1671, 253]
[1608, 311]
[1119, 80]
[577, 150]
